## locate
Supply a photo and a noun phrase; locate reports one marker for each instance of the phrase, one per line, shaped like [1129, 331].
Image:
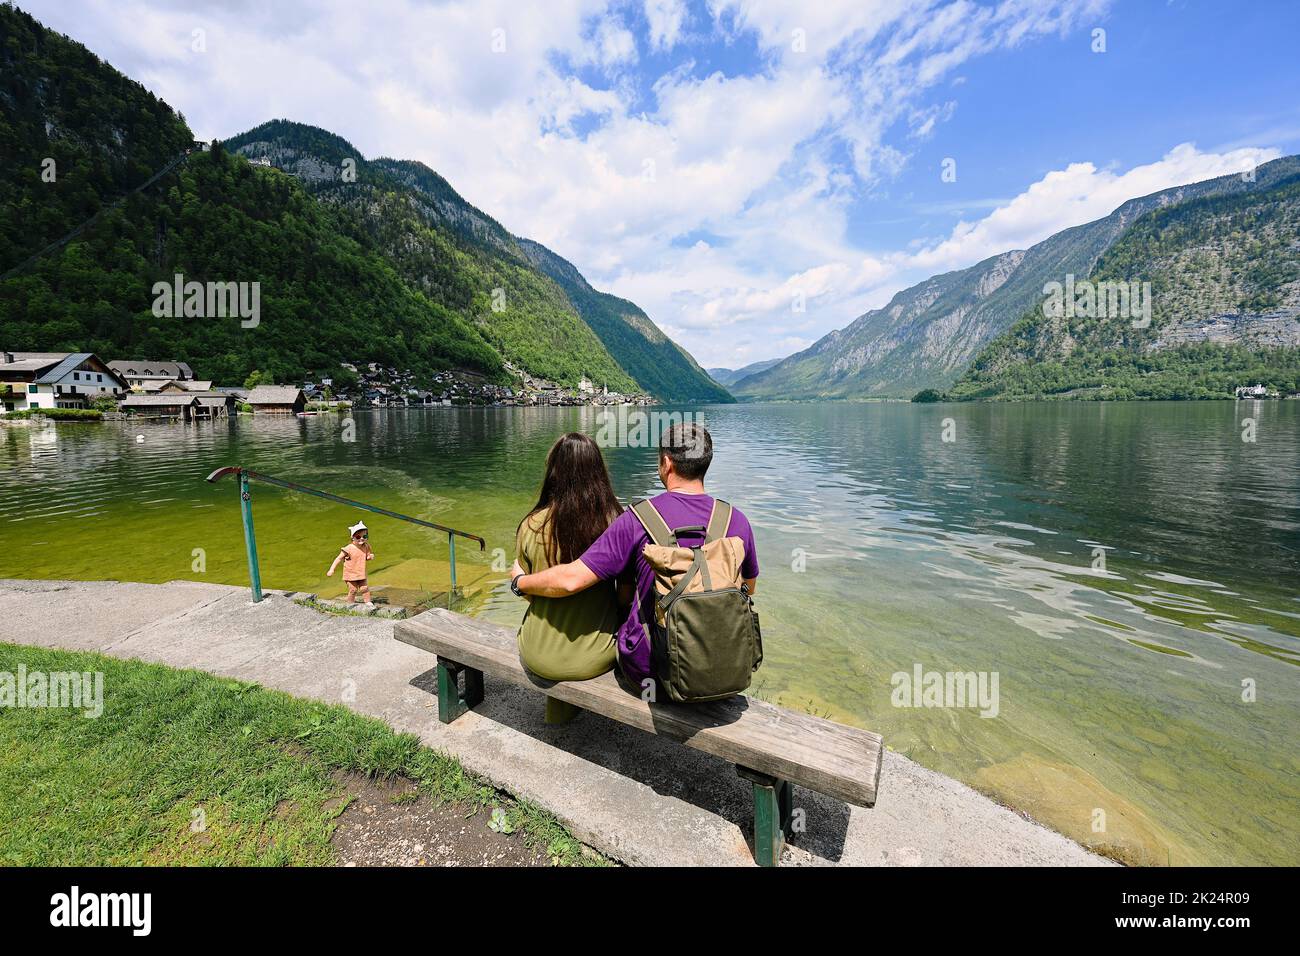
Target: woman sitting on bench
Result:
[569, 638]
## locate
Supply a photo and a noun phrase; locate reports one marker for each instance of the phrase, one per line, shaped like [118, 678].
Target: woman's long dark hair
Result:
[578, 497]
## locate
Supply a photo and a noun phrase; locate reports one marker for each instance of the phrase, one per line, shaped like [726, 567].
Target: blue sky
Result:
[1215, 74]
[753, 173]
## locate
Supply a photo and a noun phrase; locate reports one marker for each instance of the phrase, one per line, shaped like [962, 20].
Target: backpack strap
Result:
[719, 521]
[698, 566]
[654, 524]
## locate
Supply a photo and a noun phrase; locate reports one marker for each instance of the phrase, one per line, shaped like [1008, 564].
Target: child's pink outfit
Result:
[354, 563]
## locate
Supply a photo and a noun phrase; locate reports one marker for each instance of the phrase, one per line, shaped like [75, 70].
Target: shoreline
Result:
[12, 419]
[636, 798]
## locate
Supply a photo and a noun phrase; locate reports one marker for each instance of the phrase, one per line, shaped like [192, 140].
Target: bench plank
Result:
[842, 762]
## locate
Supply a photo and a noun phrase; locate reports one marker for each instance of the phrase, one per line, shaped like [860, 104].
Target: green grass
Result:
[317, 605]
[124, 788]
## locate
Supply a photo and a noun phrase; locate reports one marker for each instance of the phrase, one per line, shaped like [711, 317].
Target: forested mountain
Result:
[928, 334]
[327, 294]
[1224, 274]
[355, 261]
[105, 133]
[533, 306]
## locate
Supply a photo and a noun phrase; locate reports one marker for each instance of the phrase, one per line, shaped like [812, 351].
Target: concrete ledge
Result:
[638, 798]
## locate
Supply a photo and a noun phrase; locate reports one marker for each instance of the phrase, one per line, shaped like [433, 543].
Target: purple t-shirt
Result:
[614, 553]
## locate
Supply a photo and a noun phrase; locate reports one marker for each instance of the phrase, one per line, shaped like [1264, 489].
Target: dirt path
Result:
[388, 823]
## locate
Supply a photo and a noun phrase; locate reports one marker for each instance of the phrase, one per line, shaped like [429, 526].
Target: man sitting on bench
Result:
[685, 453]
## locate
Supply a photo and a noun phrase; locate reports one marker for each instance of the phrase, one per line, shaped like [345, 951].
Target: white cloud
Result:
[615, 43]
[666, 18]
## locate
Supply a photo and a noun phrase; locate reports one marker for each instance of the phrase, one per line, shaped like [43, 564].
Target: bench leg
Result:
[785, 795]
[473, 695]
[773, 808]
[452, 701]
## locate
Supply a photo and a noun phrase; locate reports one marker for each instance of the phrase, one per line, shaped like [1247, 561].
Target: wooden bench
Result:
[771, 747]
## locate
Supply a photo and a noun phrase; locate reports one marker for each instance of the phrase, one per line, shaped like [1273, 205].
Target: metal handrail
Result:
[250, 541]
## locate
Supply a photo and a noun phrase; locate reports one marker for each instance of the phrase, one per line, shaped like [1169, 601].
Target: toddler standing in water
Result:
[354, 557]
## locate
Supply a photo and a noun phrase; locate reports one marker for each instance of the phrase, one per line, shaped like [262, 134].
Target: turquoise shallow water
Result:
[1127, 571]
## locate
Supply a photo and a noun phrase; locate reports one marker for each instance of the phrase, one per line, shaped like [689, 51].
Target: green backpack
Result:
[704, 638]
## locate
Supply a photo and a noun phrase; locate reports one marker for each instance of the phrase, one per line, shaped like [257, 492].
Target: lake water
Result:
[1128, 572]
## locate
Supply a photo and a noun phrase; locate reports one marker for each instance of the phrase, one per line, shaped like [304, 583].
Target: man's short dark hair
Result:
[689, 447]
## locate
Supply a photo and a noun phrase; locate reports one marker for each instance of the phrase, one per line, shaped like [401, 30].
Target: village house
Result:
[55, 380]
[143, 374]
[277, 400]
[163, 388]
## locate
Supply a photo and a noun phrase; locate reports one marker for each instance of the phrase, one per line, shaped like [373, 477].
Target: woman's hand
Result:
[516, 570]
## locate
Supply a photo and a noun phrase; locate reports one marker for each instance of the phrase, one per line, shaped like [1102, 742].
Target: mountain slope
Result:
[922, 333]
[730, 376]
[928, 334]
[662, 367]
[105, 132]
[324, 296]
[534, 306]
[1224, 274]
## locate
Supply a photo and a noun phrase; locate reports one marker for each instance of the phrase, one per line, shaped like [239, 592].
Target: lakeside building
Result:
[277, 400]
[178, 406]
[56, 380]
[213, 405]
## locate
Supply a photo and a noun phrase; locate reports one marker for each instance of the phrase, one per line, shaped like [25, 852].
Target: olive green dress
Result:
[568, 638]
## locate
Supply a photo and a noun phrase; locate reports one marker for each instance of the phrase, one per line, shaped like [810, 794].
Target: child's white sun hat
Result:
[359, 526]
